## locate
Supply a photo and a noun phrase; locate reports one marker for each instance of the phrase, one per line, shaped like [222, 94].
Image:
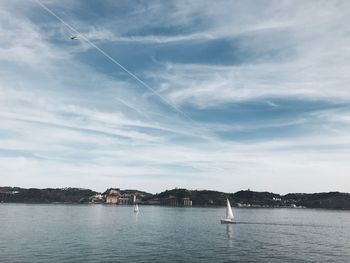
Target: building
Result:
[113, 196]
[114, 191]
[125, 201]
[187, 201]
[112, 199]
[98, 198]
[171, 201]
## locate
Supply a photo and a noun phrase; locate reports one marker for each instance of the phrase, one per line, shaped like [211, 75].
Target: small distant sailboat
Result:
[136, 207]
[229, 215]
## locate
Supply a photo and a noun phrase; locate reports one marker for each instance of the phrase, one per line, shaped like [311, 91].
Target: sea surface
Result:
[109, 233]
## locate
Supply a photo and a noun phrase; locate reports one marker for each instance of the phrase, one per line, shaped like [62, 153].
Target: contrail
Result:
[116, 62]
[144, 84]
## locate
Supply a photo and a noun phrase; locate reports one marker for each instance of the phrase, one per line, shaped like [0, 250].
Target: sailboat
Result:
[136, 207]
[229, 215]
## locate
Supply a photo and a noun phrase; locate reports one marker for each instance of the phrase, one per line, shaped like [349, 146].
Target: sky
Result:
[155, 95]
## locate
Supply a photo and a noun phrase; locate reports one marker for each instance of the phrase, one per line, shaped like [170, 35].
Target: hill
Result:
[182, 197]
[47, 195]
[247, 198]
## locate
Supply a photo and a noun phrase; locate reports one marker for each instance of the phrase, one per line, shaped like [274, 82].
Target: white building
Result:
[187, 201]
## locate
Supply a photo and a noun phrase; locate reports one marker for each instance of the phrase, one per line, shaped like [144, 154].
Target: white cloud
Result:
[22, 42]
[312, 60]
[64, 124]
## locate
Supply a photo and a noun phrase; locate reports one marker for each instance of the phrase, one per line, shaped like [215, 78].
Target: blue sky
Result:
[252, 94]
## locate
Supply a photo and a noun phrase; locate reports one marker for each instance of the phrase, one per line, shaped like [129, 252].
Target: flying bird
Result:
[74, 37]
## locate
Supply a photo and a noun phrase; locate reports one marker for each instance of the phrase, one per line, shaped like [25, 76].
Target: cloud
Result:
[266, 85]
[291, 54]
[21, 42]
[104, 35]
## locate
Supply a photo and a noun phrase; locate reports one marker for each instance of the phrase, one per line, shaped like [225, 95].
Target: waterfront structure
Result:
[98, 198]
[187, 201]
[125, 200]
[113, 196]
[112, 199]
[170, 201]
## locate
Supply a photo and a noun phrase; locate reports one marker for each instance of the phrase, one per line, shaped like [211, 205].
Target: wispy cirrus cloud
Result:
[266, 85]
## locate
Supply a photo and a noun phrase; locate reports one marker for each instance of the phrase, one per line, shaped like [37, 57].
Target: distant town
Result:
[176, 197]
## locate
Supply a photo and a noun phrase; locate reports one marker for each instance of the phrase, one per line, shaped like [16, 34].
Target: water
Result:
[102, 233]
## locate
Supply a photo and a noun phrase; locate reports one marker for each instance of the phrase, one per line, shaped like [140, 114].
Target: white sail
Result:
[136, 208]
[229, 214]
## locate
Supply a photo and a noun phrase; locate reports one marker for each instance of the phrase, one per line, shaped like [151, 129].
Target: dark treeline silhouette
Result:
[246, 198]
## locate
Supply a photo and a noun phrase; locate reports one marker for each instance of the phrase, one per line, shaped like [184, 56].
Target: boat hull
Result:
[227, 221]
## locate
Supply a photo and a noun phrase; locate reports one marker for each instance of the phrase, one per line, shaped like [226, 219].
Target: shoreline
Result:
[177, 197]
[166, 206]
